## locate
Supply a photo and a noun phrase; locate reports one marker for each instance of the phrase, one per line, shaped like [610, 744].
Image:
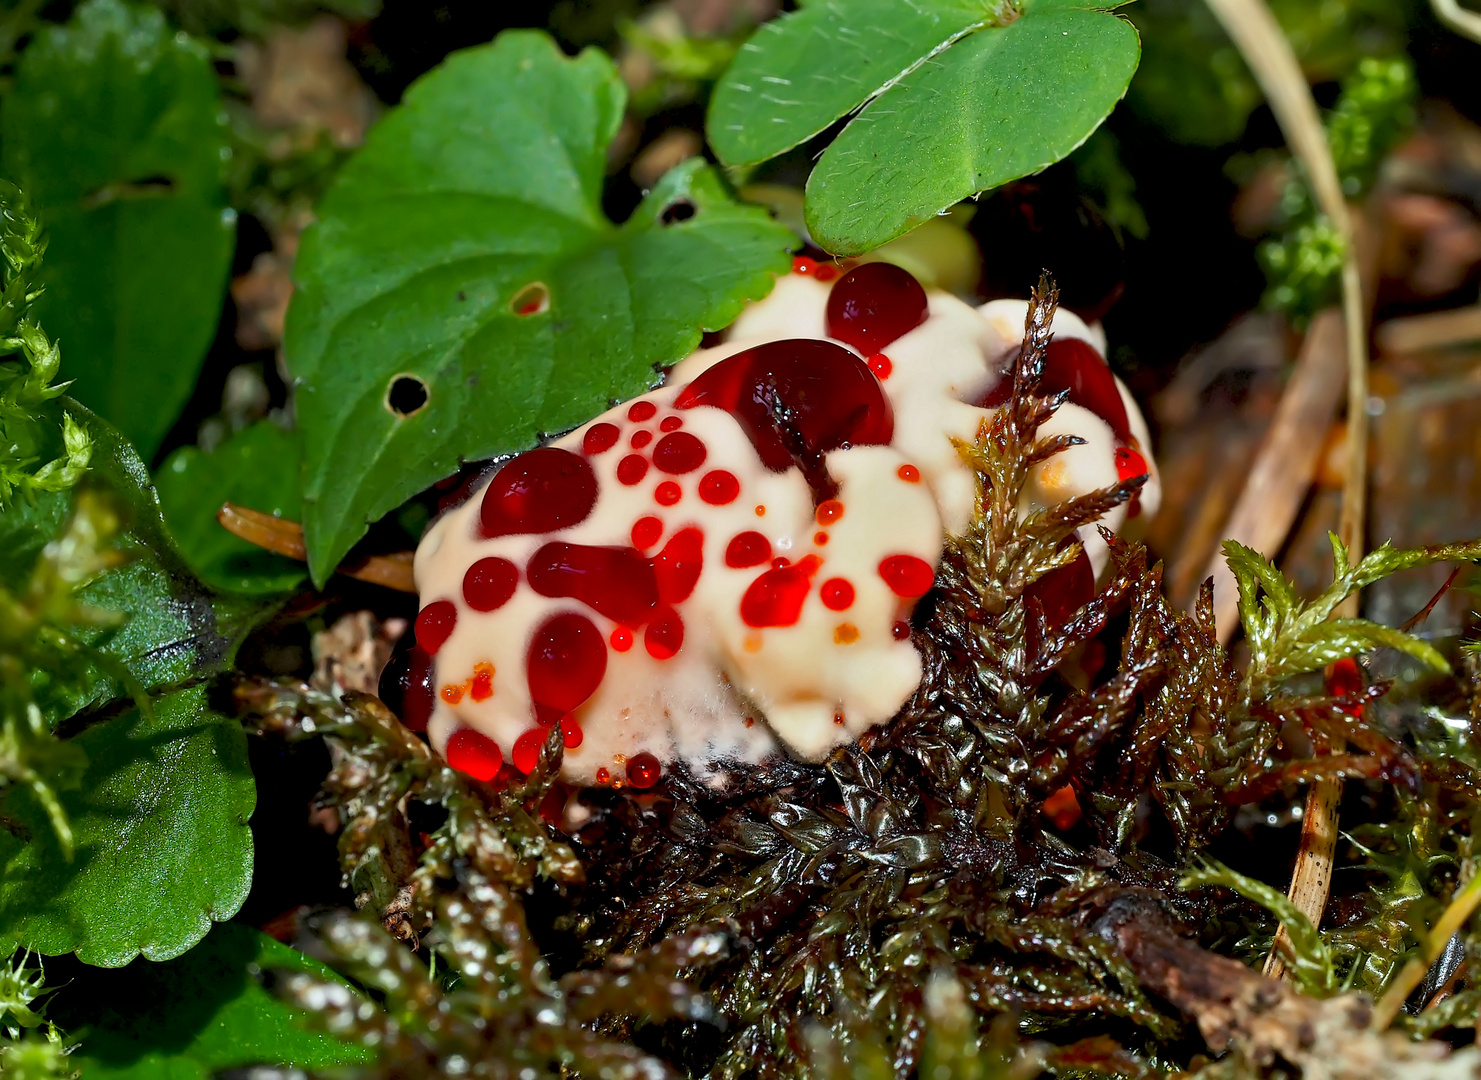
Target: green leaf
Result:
[193, 1016]
[163, 848]
[1309, 957]
[956, 98]
[175, 628]
[1327, 642]
[484, 185]
[257, 467]
[115, 130]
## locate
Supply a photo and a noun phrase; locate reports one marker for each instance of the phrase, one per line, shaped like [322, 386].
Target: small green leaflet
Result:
[190, 1018]
[463, 255]
[163, 847]
[256, 467]
[953, 97]
[115, 130]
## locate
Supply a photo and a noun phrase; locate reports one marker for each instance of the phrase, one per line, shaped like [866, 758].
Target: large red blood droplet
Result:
[1064, 591]
[837, 594]
[775, 598]
[489, 583]
[719, 488]
[643, 770]
[616, 581]
[678, 452]
[565, 664]
[874, 304]
[474, 754]
[645, 532]
[1073, 365]
[678, 566]
[435, 624]
[631, 469]
[407, 686]
[541, 491]
[747, 549]
[665, 634]
[600, 437]
[639, 411]
[527, 749]
[907, 575]
[796, 400]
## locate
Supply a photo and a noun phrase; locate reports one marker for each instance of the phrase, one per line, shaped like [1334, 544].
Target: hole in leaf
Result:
[676, 211]
[533, 299]
[406, 396]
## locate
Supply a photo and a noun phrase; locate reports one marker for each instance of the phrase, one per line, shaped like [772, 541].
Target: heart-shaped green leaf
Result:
[463, 292]
[256, 467]
[116, 132]
[954, 98]
[163, 848]
[190, 1018]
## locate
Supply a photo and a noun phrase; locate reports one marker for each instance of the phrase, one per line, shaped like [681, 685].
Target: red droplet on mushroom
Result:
[665, 634]
[1073, 365]
[475, 754]
[900, 631]
[828, 511]
[435, 624]
[643, 770]
[826, 272]
[907, 575]
[667, 493]
[614, 581]
[1064, 591]
[571, 732]
[538, 492]
[747, 549]
[881, 365]
[621, 639]
[408, 688]
[909, 473]
[489, 583]
[632, 469]
[600, 437]
[775, 598]
[678, 566]
[645, 532]
[837, 594]
[796, 400]
[874, 304]
[527, 750]
[801, 264]
[678, 453]
[482, 686]
[639, 411]
[719, 487]
[670, 423]
[1129, 464]
[640, 439]
[565, 664]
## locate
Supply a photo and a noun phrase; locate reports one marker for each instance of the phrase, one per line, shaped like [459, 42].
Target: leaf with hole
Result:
[953, 97]
[256, 467]
[163, 847]
[115, 129]
[191, 1017]
[463, 293]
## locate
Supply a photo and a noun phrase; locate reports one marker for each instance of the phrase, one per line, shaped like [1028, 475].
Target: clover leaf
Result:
[953, 97]
[463, 292]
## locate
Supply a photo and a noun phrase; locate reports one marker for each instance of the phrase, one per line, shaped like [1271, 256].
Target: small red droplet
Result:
[571, 732]
[565, 663]
[838, 719]
[632, 469]
[1063, 808]
[527, 750]
[640, 438]
[452, 693]
[639, 411]
[801, 264]
[600, 437]
[1129, 463]
[603, 776]
[837, 594]
[643, 770]
[482, 687]
[665, 634]
[646, 531]
[667, 493]
[760, 511]
[874, 304]
[907, 575]
[900, 631]
[820, 538]
[829, 511]
[621, 639]
[1344, 679]
[489, 583]
[474, 754]
[747, 549]
[671, 423]
[826, 272]
[678, 453]
[678, 566]
[775, 598]
[909, 473]
[881, 365]
[435, 624]
[719, 488]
